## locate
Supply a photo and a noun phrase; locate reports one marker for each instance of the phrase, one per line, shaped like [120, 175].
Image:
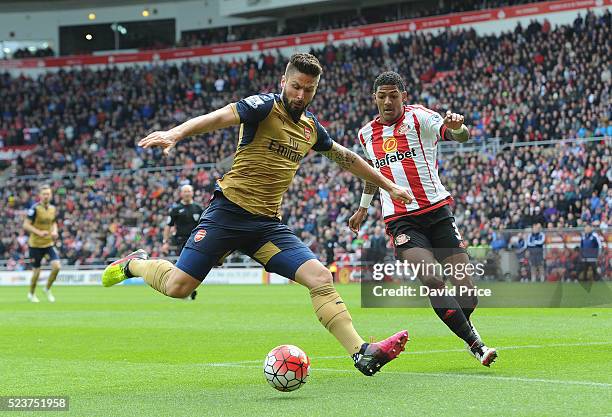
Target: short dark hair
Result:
[304, 63]
[390, 78]
[43, 187]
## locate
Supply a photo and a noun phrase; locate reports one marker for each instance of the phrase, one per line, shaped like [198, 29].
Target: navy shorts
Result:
[37, 254]
[226, 227]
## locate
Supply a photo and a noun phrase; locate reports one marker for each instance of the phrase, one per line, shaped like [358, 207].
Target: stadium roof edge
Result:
[7, 6]
[324, 6]
[489, 18]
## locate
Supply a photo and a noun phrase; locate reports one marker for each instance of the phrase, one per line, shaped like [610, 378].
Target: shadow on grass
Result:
[285, 398]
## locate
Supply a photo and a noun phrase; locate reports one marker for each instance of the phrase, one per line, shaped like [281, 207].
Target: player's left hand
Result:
[165, 139]
[400, 194]
[54, 235]
[357, 219]
[453, 121]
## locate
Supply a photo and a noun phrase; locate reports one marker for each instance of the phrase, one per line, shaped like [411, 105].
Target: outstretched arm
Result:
[353, 163]
[167, 139]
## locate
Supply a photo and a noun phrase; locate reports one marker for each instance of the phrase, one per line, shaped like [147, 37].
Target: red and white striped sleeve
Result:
[366, 155]
[432, 124]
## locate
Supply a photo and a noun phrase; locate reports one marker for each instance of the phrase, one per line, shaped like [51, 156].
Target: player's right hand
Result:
[44, 233]
[357, 219]
[400, 194]
[164, 139]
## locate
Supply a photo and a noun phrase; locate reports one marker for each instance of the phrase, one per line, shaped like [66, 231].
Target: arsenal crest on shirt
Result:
[307, 132]
[199, 235]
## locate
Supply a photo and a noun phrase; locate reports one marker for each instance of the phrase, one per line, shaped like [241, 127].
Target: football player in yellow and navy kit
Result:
[40, 223]
[276, 132]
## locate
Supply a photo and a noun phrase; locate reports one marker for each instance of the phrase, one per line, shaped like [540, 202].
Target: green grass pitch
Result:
[128, 351]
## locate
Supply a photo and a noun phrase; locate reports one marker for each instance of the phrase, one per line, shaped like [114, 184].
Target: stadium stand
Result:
[336, 20]
[523, 93]
[537, 84]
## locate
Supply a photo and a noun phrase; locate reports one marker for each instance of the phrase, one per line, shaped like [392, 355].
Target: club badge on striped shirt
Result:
[401, 239]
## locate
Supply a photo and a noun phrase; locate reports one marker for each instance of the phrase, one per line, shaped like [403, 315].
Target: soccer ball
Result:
[286, 368]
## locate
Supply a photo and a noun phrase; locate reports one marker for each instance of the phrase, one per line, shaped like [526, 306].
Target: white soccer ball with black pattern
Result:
[286, 368]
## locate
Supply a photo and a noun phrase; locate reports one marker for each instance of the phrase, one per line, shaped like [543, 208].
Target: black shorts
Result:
[536, 256]
[225, 227]
[435, 230]
[37, 254]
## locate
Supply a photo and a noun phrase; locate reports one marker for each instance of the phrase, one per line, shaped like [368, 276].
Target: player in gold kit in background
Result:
[40, 223]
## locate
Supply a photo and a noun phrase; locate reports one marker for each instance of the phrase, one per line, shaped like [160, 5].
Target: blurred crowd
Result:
[33, 52]
[532, 84]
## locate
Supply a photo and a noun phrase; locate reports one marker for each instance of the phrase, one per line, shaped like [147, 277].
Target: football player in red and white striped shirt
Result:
[401, 143]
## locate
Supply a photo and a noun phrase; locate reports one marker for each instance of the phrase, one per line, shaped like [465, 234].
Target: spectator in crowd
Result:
[33, 52]
[378, 245]
[535, 250]
[591, 246]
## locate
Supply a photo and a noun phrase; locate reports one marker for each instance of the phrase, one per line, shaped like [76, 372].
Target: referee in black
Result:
[182, 219]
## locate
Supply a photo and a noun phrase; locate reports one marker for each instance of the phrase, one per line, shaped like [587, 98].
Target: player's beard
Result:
[294, 113]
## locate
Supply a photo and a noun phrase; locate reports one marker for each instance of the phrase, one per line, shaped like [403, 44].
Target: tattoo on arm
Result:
[340, 155]
[370, 188]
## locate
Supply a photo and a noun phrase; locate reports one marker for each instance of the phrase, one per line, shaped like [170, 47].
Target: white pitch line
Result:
[427, 352]
[451, 375]
[498, 377]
